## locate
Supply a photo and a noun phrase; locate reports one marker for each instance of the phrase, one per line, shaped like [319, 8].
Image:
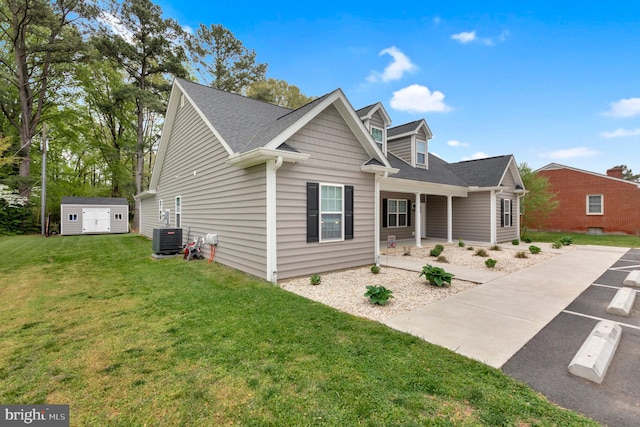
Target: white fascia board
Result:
[145, 195]
[206, 121]
[378, 169]
[261, 155]
[556, 166]
[415, 131]
[481, 189]
[385, 115]
[172, 107]
[338, 100]
[409, 186]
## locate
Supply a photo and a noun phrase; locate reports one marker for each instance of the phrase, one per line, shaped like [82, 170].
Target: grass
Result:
[586, 239]
[94, 322]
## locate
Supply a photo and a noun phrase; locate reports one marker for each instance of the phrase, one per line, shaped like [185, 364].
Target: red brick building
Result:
[591, 202]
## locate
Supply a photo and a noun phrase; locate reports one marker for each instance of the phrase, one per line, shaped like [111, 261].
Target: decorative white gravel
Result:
[344, 290]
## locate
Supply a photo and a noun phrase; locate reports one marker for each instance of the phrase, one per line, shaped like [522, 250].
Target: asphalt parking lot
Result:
[543, 362]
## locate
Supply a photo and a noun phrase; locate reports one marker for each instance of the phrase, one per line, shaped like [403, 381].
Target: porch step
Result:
[592, 360]
[622, 302]
[632, 279]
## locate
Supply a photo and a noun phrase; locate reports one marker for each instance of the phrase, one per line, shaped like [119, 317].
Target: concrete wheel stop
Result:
[592, 360]
[633, 279]
[622, 302]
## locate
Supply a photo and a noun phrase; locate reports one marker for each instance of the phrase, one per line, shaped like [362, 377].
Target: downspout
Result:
[272, 247]
[376, 222]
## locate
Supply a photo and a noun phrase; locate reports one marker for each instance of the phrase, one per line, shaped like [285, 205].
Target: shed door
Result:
[96, 220]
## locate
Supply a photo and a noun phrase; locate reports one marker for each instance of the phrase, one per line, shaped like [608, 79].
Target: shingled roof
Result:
[482, 172]
[438, 172]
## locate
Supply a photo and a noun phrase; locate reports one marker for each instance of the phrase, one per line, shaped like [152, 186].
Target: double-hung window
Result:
[397, 212]
[329, 212]
[421, 152]
[178, 211]
[506, 213]
[377, 134]
[595, 204]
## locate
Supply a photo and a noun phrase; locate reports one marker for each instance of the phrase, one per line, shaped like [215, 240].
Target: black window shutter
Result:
[408, 212]
[501, 212]
[384, 213]
[313, 211]
[348, 212]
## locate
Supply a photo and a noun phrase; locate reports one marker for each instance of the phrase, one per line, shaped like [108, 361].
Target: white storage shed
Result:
[94, 215]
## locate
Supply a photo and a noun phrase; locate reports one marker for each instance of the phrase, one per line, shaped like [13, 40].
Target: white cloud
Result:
[620, 132]
[418, 99]
[476, 156]
[436, 20]
[456, 143]
[401, 64]
[471, 36]
[571, 153]
[465, 36]
[624, 108]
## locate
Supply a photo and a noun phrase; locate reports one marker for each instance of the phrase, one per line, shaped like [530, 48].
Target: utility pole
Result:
[43, 197]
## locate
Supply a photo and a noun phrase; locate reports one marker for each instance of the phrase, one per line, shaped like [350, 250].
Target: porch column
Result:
[418, 221]
[450, 219]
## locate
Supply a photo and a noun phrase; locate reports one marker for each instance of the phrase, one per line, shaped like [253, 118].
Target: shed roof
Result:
[76, 200]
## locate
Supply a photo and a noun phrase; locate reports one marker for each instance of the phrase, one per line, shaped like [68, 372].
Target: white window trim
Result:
[397, 214]
[321, 212]
[178, 207]
[160, 211]
[117, 217]
[601, 204]
[381, 142]
[73, 217]
[419, 152]
[507, 213]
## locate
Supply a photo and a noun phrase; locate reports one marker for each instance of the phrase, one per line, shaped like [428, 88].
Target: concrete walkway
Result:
[492, 321]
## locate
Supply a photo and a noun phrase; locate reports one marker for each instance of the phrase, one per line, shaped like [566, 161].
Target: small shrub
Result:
[375, 269]
[515, 242]
[461, 243]
[440, 248]
[521, 254]
[469, 248]
[566, 241]
[481, 252]
[442, 259]
[491, 263]
[534, 249]
[527, 239]
[495, 248]
[378, 294]
[315, 279]
[435, 252]
[436, 276]
[556, 245]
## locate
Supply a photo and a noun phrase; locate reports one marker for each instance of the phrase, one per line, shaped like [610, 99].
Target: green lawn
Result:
[94, 322]
[586, 239]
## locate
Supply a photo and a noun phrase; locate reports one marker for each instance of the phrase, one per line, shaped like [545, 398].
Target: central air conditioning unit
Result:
[167, 241]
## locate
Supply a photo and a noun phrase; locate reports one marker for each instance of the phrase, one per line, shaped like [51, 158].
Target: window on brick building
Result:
[595, 204]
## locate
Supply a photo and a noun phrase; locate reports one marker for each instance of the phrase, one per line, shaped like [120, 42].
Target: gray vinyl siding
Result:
[399, 232]
[471, 217]
[401, 147]
[75, 227]
[506, 234]
[335, 158]
[437, 217]
[149, 216]
[377, 120]
[216, 197]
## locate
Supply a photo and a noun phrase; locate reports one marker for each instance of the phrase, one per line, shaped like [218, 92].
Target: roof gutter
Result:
[262, 155]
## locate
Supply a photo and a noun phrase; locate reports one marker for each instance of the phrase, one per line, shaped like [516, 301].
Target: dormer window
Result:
[421, 152]
[377, 134]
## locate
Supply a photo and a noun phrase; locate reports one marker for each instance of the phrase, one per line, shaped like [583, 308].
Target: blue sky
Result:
[546, 81]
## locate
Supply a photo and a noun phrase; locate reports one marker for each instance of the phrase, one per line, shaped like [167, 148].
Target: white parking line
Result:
[588, 316]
